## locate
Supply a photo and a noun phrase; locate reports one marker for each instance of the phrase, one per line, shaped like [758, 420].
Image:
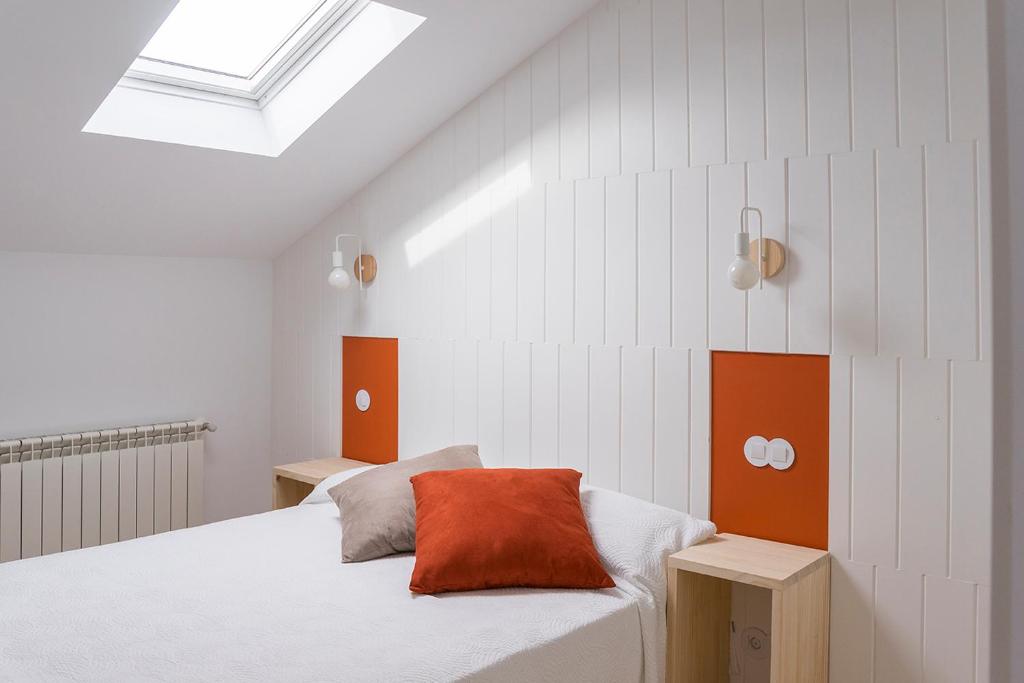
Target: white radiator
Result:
[70, 491]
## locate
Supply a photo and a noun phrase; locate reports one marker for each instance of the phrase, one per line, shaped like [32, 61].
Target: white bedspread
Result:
[265, 598]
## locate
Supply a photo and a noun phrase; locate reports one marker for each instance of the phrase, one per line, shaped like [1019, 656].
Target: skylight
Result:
[229, 37]
[240, 48]
[249, 75]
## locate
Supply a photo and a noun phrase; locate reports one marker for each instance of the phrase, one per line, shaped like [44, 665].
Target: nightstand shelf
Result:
[700, 582]
[294, 482]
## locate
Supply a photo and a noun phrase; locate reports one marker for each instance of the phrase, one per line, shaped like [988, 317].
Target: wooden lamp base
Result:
[776, 253]
[367, 265]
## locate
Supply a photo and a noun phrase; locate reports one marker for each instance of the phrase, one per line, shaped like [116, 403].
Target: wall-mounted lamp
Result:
[769, 256]
[365, 266]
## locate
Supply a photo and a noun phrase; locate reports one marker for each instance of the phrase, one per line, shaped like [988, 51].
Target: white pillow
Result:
[634, 539]
[319, 494]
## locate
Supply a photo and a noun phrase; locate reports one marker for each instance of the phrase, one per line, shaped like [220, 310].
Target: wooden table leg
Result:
[288, 492]
[800, 629]
[699, 612]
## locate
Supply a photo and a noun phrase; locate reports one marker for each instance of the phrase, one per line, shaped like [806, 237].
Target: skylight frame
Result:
[335, 57]
[319, 5]
[302, 44]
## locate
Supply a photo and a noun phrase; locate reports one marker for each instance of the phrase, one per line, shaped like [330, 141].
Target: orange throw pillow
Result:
[499, 528]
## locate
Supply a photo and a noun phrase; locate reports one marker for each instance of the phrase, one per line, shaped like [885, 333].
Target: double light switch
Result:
[777, 453]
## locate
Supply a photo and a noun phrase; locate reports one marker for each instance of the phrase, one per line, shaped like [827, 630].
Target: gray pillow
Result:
[378, 511]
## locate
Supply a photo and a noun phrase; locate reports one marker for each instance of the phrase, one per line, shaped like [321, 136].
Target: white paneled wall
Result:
[553, 260]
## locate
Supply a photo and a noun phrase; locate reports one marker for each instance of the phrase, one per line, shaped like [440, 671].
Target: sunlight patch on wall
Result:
[478, 207]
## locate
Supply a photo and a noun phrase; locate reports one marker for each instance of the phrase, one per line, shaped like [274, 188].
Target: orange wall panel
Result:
[371, 364]
[772, 396]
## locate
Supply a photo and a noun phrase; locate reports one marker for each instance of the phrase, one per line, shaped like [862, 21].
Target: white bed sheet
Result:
[265, 598]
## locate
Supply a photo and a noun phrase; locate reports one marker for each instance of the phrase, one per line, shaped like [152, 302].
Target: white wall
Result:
[553, 260]
[1006, 32]
[101, 341]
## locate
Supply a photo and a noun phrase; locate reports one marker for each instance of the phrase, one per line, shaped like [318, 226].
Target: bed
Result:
[266, 598]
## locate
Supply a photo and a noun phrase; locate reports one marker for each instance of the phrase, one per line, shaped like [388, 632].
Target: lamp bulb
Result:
[339, 278]
[743, 273]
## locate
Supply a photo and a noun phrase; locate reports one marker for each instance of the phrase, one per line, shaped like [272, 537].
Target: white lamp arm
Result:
[359, 259]
[745, 228]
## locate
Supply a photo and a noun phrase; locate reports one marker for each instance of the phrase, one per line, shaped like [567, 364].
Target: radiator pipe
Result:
[53, 441]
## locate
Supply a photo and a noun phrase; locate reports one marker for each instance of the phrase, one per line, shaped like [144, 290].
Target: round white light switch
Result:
[756, 451]
[363, 400]
[777, 453]
[780, 454]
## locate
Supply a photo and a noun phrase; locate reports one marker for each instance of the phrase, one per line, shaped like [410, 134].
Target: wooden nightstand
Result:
[699, 599]
[294, 482]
